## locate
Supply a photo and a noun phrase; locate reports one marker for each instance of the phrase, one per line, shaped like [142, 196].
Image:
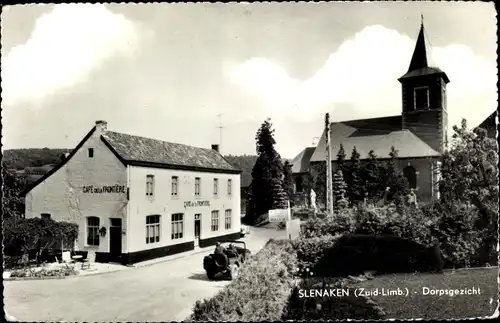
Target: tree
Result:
[339, 190]
[356, 186]
[280, 197]
[267, 167]
[469, 169]
[371, 174]
[469, 173]
[13, 202]
[395, 180]
[288, 180]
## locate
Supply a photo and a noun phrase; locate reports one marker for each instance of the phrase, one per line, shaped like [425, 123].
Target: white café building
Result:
[137, 198]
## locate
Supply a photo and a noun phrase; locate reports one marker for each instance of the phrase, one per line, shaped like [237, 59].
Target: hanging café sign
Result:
[196, 203]
[104, 189]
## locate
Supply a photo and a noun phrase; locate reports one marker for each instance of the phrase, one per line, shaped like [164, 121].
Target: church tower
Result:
[424, 98]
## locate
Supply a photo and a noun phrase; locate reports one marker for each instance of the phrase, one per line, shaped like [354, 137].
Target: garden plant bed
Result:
[442, 307]
[46, 272]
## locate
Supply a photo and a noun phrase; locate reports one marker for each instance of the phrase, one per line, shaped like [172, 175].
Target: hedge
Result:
[260, 291]
[311, 250]
[267, 290]
[453, 228]
[22, 234]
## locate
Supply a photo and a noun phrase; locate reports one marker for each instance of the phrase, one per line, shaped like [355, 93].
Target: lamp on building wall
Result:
[102, 231]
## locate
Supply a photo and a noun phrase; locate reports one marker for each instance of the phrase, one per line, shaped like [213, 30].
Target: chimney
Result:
[215, 147]
[101, 125]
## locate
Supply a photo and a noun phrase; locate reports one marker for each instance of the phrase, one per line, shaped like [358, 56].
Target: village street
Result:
[164, 291]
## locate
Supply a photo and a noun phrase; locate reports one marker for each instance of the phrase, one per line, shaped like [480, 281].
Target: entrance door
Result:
[115, 239]
[197, 229]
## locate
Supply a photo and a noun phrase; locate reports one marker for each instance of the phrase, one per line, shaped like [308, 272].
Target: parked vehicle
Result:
[227, 262]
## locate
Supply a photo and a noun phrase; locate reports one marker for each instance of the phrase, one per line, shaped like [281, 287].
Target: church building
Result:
[419, 133]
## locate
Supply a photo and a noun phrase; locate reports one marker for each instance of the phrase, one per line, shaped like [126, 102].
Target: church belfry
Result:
[424, 98]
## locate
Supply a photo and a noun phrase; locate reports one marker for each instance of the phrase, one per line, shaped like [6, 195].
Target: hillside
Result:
[32, 157]
[245, 163]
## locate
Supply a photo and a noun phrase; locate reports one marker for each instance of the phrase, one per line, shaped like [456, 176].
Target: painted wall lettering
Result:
[104, 189]
[196, 203]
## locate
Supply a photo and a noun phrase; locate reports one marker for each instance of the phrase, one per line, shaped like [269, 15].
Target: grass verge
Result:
[419, 306]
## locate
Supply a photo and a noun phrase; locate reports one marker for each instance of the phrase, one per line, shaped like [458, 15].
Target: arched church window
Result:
[411, 176]
[299, 184]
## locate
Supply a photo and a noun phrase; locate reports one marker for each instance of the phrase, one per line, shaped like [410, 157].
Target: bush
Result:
[55, 272]
[340, 222]
[23, 234]
[311, 250]
[260, 291]
[463, 235]
[329, 307]
[355, 254]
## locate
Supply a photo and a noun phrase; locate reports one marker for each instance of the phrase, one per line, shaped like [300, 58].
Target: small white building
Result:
[137, 198]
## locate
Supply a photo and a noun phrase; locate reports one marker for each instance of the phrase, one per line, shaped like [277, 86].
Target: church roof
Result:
[302, 162]
[489, 122]
[377, 134]
[419, 64]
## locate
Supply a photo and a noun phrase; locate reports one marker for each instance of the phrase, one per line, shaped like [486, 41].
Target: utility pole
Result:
[220, 131]
[329, 184]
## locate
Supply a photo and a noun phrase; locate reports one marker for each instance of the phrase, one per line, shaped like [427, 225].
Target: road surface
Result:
[164, 291]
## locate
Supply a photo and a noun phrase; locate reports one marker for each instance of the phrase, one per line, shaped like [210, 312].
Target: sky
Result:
[177, 72]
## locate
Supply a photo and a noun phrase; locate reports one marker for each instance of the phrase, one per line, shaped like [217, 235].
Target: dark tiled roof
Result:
[419, 63]
[375, 126]
[419, 58]
[301, 163]
[377, 134]
[490, 122]
[156, 152]
[425, 71]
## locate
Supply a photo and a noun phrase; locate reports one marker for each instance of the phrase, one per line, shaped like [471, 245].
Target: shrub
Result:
[63, 271]
[260, 291]
[311, 250]
[329, 307]
[457, 236]
[22, 234]
[340, 222]
[354, 254]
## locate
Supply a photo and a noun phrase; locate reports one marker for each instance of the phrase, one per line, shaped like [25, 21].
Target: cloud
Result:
[363, 73]
[65, 46]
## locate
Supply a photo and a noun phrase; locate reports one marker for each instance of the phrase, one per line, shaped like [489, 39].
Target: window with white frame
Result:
[92, 231]
[216, 186]
[175, 185]
[152, 228]
[177, 226]
[227, 219]
[215, 221]
[150, 183]
[421, 98]
[197, 186]
[229, 187]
